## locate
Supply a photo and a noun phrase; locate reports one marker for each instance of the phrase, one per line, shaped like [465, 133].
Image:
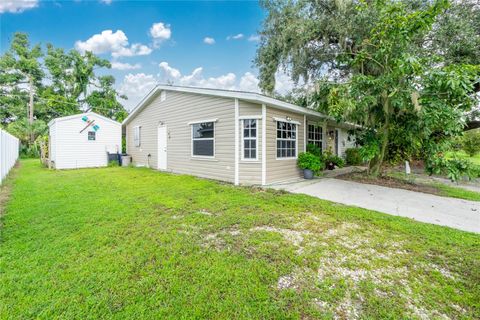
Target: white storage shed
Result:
[83, 140]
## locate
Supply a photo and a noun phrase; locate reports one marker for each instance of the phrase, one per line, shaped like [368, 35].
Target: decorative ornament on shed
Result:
[89, 123]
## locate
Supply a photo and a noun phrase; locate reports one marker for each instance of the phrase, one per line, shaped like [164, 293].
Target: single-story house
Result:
[233, 136]
[83, 140]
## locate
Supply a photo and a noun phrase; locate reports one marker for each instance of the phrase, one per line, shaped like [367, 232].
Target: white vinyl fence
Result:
[9, 146]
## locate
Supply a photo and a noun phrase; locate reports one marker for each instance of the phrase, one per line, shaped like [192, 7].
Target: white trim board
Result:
[264, 144]
[202, 121]
[236, 145]
[80, 115]
[286, 120]
[250, 117]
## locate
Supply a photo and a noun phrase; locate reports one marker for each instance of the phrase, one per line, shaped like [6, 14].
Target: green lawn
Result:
[462, 154]
[131, 243]
[441, 189]
[456, 192]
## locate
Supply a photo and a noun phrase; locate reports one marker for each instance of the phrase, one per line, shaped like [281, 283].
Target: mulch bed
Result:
[390, 182]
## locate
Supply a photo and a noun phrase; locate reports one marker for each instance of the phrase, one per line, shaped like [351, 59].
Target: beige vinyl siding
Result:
[250, 172]
[176, 112]
[248, 108]
[279, 170]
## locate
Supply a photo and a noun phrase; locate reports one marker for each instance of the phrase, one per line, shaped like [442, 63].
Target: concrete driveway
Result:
[451, 212]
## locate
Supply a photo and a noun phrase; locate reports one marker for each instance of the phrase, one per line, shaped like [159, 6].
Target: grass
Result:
[130, 243]
[438, 188]
[455, 192]
[463, 155]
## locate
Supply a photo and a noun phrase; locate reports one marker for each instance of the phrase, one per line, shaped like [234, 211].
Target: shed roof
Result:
[79, 115]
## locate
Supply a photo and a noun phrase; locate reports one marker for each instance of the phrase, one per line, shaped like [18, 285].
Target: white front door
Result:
[162, 148]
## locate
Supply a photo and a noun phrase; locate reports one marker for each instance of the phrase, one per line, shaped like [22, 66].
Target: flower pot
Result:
[330, 165]
[307, 174]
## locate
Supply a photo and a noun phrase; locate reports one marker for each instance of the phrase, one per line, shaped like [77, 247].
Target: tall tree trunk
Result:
[375, 165]
[30, 111]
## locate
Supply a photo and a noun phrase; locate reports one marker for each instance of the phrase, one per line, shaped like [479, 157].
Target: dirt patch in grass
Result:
[6, 189]
[390, 182]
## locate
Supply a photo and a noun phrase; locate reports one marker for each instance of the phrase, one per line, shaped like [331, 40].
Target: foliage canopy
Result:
[389, 66]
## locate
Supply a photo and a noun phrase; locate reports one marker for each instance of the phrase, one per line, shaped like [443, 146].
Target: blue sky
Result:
[196, 43]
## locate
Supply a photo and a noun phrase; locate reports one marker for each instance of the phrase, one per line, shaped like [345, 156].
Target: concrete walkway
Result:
[455, 213]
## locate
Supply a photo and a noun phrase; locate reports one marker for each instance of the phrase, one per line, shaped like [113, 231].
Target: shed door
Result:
[162, 148]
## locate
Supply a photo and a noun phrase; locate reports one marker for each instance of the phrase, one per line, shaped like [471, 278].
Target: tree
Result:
[61, 84]
[75, 84]
[471, 142]
[20, 68]
[369, 62]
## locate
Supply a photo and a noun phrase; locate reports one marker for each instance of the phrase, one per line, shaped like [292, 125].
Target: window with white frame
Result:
[137, 136]
[286, 140]
[315, 135]
[203, 139]
[249, 139]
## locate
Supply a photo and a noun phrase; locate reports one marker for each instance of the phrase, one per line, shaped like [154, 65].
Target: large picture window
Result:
[286, 140]
[249, 141]
[203, 139]
[315, 135]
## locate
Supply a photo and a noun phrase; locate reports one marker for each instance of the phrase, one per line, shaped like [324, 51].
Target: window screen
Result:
[203, 139]
[286, 140]
[315, 135]
[250, 139]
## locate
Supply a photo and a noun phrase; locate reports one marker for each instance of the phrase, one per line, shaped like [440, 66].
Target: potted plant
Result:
[332, 161]
[309, 163]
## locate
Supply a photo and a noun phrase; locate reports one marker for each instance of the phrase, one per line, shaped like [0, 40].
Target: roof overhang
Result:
[79, 115]
[241, 95]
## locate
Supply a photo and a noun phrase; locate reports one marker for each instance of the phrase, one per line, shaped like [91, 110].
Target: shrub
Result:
[329, 157]
[314, 149]
[475, 171]
[455, 168]
[307, 160]
[353, 157]
[113, 163]
[471, 142]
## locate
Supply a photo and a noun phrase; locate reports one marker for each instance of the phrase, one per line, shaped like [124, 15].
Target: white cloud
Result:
[135, 49]
[168, 73]
[236, 37]
[106, 1]
[209, 40]
[249, 82]
[125, 66]
[283, 82]
[17, 6]
[114, 42]
[160, 32]
[135, 87]
[254, 38]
